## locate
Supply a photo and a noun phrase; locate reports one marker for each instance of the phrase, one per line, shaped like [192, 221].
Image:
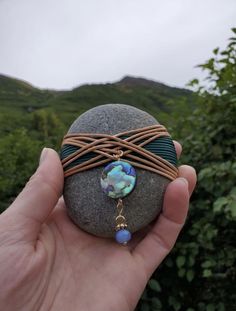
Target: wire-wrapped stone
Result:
[86, 203]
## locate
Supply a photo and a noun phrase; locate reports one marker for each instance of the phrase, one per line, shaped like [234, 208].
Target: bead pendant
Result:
[118, 179]
[123, 236]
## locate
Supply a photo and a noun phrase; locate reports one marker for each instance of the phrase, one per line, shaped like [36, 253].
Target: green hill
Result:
[31, 118]
[19, 99]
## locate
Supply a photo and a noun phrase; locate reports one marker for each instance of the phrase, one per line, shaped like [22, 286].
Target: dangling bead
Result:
[123, 236]
[118, 180]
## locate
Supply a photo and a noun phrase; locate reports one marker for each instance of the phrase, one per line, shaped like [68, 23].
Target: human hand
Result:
[47, 263]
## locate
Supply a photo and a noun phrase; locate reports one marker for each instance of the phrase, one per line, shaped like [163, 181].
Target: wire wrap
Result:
[83, 151]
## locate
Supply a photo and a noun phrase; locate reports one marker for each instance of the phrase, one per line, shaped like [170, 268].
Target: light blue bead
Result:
[123, 236]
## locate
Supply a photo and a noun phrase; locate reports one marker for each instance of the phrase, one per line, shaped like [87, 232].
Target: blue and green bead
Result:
[117, 181]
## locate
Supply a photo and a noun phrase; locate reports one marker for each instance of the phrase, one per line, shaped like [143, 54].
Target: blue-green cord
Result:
[162, 146]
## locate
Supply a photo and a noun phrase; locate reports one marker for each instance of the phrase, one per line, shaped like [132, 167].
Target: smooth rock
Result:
[87, 205]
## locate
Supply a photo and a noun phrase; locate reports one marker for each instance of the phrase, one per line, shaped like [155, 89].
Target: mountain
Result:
[31, 118]
[138, 81]
[18, 99]
[13, 85]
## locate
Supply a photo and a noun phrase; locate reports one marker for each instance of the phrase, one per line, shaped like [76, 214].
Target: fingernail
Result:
[43, 155]
[184, 180]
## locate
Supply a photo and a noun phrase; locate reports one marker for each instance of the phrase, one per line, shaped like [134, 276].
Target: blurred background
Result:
[173, 59]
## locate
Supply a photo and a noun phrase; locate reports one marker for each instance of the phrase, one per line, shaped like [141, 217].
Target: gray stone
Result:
[87, 205]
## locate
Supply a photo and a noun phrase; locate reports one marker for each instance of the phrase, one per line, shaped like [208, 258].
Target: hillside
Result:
[19, 99]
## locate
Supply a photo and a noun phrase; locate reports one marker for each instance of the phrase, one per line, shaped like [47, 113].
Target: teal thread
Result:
[162, 147]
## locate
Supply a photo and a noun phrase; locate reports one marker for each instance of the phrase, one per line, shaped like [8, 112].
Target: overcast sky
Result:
[64, 43]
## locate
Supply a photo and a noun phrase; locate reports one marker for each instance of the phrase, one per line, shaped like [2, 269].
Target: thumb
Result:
[41, 193]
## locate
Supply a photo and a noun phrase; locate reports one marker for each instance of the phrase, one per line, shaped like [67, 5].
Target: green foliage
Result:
[20, 149]
[47, 127]
[200, 273]
[22, 100]
[31, 118]
[18, 159]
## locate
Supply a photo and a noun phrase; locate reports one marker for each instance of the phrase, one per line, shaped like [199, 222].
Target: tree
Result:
[46, 126]
[19, 154]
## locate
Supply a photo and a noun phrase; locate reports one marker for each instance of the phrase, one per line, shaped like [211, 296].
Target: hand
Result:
[47, 263]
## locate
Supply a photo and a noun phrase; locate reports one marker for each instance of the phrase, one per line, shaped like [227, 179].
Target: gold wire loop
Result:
[120, 219]
[120, 206]
[118, 155]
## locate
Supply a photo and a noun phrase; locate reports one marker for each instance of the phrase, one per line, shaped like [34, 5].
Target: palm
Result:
[47, 263]
[94, 265]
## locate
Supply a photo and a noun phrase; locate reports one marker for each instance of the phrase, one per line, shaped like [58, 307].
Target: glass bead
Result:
[123, 236]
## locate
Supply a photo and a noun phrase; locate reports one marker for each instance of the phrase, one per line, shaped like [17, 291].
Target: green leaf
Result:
[233, 191]
[206, 264]
[221, 306]
[181, 272]
[234, 30]
[193, 82]
[207, 273]
[191, 261]
[180, 261]
[174, 303]
[156, 303]
[210, 307]
[190, 275]
[232, 208]
[219, 204]
[154, 285]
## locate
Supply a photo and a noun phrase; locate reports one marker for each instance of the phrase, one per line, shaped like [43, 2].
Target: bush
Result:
[18, 158]
[200, 272]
